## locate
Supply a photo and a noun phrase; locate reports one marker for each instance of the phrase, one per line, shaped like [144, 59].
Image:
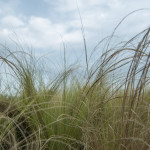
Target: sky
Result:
[45, 24]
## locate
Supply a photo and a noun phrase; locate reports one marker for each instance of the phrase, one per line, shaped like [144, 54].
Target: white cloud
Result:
[101, 15]
[11, 21]
[43, 33]
[98, 16]
[40, 24]
[74, 37]
[37, 31]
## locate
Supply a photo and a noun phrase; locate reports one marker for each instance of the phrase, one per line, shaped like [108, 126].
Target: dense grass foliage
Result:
[108, 108]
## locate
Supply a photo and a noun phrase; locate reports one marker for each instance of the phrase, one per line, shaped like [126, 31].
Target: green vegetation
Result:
[108, 108]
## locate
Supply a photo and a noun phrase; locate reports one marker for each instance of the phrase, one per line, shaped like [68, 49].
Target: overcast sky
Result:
[43, 24]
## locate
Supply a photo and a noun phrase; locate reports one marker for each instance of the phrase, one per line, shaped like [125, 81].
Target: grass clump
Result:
[109, 109]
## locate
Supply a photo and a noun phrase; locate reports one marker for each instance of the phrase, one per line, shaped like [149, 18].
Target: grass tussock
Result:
[108, 110]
